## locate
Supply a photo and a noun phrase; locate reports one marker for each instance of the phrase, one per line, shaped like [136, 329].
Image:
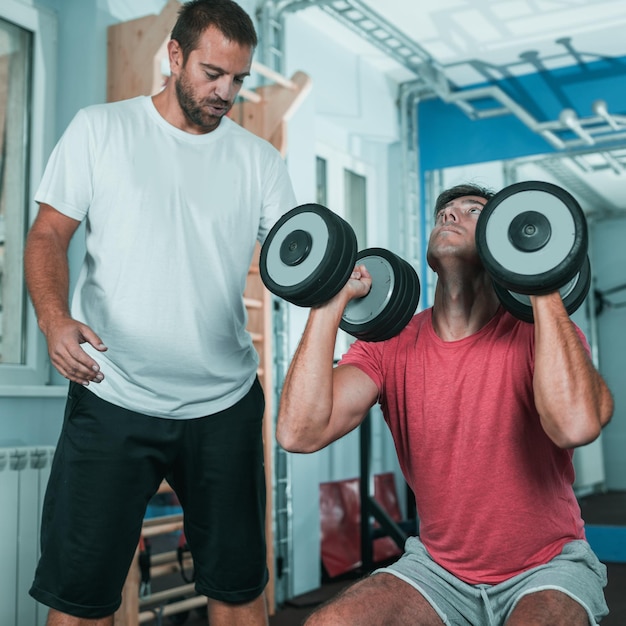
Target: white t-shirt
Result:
[171, 223]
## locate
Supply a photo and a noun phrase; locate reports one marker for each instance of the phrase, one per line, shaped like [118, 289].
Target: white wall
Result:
[609, 261]
[350, 118]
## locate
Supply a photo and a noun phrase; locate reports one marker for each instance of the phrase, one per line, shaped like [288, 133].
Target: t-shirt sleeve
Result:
[368, 357]
[279, 196]
[67, 183]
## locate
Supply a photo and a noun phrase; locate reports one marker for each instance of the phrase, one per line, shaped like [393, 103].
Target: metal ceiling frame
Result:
[569, 133]
[555, 166]
[477, 102]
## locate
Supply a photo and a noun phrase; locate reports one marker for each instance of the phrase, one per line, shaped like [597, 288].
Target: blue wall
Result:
[448, 137]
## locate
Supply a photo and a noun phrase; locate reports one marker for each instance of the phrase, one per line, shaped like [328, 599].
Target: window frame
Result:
[35, 372]
[337, 162]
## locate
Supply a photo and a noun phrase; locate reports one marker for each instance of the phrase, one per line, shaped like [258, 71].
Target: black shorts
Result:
[108, 464]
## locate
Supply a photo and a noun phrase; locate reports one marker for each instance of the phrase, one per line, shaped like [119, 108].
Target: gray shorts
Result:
[576, 572]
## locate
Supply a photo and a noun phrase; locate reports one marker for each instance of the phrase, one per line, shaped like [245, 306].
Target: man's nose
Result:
[226, 89]
[449, 214]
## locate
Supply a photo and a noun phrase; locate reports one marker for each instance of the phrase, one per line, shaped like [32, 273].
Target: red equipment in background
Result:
[340, 512]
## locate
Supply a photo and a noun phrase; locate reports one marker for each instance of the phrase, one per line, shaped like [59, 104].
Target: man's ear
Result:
[175, 55]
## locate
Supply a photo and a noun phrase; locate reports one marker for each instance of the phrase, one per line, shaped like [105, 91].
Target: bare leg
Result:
[548, 608]
[246, 614]
[378, 599]
[55, 618]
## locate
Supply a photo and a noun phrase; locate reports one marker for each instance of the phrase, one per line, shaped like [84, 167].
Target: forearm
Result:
[571, 397]
[47, 277]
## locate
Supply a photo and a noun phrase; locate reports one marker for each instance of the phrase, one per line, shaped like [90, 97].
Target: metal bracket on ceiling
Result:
[565, 133]
[362, 20]
[597, 204]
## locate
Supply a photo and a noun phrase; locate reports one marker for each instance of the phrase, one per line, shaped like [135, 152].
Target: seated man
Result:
[485, 411]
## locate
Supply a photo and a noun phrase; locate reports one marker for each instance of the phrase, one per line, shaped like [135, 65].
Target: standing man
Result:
[162, 371]
[484, 410]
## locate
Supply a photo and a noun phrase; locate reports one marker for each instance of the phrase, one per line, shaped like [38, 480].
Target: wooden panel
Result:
[134, 52]
[128, 613]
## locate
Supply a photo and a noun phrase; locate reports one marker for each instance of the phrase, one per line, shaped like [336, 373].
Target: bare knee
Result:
[549, 607]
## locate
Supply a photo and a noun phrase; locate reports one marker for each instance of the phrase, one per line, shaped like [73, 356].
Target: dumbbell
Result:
[309, 255]
[532, 239]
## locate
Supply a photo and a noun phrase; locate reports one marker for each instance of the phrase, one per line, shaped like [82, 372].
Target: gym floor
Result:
[602, 509]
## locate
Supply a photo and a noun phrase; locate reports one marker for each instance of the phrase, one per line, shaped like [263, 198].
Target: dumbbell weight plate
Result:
[532, 237]
[400, 315]
[342, 252]
[391, 302]
[573, 294]
[308, 255]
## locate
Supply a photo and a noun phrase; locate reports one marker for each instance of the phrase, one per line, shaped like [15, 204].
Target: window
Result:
[344, 184]
[26, 125]
[321, 181]
[347, 185]
[15, 80]
[355, 190]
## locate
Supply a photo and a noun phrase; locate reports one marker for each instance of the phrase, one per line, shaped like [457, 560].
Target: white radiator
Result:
[24, 474]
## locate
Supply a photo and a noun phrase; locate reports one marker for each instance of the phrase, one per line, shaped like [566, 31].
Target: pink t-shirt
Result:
[494, 494]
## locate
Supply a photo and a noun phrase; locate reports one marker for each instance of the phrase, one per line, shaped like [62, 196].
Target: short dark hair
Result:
[195, 16]
[460, 191]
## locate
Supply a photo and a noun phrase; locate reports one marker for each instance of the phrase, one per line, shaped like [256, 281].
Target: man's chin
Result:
[207, 122]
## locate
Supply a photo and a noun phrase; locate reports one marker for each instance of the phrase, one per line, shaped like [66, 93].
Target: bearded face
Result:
[205, 112]
[208, 80]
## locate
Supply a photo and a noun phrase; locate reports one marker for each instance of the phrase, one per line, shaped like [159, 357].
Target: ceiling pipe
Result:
[599, 108]
[614, 164]
[570, 119]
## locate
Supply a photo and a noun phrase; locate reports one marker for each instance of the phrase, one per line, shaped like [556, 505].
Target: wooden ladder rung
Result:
[253, 303]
